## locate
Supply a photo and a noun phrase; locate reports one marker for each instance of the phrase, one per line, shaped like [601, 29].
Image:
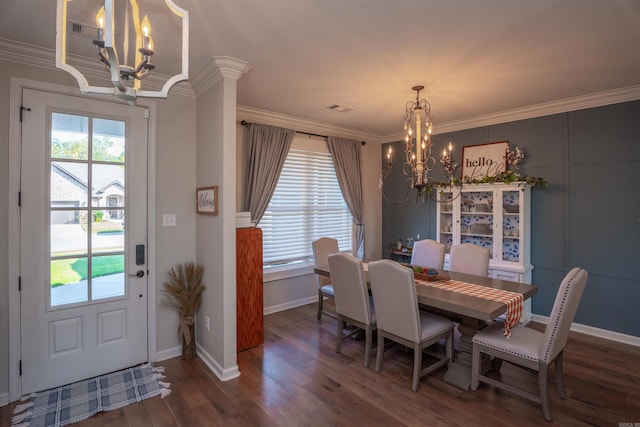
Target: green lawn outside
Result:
[72, 270]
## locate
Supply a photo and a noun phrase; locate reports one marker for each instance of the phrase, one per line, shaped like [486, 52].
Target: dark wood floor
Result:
[297, 379]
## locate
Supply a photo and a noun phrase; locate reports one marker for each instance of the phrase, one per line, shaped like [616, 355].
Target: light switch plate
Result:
[169, 220]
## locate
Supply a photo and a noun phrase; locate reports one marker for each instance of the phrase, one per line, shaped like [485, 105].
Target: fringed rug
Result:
[75, 402]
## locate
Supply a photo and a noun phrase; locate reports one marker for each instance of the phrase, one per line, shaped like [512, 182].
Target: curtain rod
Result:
[245, 124]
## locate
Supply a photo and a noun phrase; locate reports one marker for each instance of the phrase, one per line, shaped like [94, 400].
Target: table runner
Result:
[513, 300]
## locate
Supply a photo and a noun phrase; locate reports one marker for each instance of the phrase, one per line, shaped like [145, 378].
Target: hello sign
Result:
[485, 159]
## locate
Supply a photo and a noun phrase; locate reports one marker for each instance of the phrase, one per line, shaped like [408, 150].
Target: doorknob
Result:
[139, 273]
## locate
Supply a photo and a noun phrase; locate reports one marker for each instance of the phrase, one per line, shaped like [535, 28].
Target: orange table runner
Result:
[513, 300]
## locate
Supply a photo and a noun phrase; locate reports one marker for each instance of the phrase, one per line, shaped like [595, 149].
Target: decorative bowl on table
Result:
[428, 274]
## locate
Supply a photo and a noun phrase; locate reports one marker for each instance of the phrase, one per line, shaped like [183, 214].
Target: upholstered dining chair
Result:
[353, 304]
[428, 253]
[469, 258]
[322, 248]
[532, 349]
[399, 319]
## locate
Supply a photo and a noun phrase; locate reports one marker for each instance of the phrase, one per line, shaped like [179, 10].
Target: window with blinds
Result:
[306, 206]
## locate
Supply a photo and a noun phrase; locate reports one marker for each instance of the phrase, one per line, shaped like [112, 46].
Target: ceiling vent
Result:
[83, 30]
[340, 108]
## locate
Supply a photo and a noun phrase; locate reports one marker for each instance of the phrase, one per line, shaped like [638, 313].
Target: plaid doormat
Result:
[75, 402]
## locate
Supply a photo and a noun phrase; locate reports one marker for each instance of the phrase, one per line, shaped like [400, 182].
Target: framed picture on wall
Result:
[207, 200]
[484, 159]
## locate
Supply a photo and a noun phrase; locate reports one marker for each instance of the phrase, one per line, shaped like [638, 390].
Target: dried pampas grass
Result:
[184, 293]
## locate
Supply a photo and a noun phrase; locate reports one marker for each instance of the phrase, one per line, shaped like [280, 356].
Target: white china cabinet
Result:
[495, 216]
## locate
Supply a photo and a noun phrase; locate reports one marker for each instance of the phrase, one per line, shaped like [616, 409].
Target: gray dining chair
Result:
[532, 349]
[428, 253]
[353, 303]
[399, 319]
[322, 248]
[469, 258]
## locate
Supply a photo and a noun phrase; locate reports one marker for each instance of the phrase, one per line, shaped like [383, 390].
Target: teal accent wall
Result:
[589, 216]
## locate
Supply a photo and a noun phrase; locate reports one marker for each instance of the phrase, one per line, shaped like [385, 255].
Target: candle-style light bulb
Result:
[450, 146]
[444, 153]
[100, 18]
[146, 26]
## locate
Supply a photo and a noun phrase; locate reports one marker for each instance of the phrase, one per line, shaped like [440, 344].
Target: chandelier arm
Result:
[398, 202]
[450, 188]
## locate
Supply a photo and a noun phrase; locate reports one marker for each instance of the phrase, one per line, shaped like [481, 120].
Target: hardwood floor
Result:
[297, 379]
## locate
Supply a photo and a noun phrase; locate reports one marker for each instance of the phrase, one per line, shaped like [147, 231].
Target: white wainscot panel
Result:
[112, 327]
[65, 336]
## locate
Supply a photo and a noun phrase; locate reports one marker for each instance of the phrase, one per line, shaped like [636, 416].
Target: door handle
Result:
[139, 273]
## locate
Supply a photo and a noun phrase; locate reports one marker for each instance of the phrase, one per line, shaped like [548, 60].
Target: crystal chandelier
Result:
[419, 163]
[126, 79]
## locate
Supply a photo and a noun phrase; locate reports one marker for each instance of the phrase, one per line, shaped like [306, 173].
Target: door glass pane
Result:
[107, 235]
[69, 136]
[107, 273]
[69, 281]
[108, 140]
[69, 183]
[108, 186]
[68, 232]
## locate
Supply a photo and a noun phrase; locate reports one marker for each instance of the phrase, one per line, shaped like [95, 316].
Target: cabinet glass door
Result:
[511, 226]
[476, 219]
[446, 221]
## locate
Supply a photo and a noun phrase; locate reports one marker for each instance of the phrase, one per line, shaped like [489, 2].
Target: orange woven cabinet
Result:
[249, 296]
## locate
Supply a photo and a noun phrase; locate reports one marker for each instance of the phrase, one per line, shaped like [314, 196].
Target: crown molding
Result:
[221, 66]
[38, 56]
[217, 68]
[598, 99]
[256, 115]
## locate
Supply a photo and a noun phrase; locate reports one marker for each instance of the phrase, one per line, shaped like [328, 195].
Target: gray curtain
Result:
[346, 162]
[267, 151]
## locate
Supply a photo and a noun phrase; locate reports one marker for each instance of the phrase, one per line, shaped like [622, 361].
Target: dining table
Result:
[471, 312]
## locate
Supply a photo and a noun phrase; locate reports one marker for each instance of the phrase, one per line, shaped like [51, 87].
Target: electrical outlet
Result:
[418, 237]
[206, 322]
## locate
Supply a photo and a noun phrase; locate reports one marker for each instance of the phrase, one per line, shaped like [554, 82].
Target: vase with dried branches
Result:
[184, 293]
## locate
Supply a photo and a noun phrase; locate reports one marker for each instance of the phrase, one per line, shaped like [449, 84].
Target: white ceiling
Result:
[474, 57]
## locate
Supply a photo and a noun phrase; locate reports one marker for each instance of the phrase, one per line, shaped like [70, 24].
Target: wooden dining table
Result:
[472, 314]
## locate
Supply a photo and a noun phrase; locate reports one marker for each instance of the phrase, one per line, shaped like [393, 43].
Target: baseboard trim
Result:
[169, 353]
[4, 399]
[214, 366]
[289, 305]
[596, 332]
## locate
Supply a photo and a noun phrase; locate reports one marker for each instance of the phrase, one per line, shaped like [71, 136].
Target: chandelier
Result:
[419, 163]
[126, 79]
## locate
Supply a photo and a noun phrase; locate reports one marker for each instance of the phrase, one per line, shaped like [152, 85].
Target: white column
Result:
[215, 235]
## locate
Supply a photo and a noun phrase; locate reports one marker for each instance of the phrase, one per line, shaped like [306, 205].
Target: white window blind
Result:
[306, 206]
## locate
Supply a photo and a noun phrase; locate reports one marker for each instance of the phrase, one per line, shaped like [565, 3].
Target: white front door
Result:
[83, 234]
